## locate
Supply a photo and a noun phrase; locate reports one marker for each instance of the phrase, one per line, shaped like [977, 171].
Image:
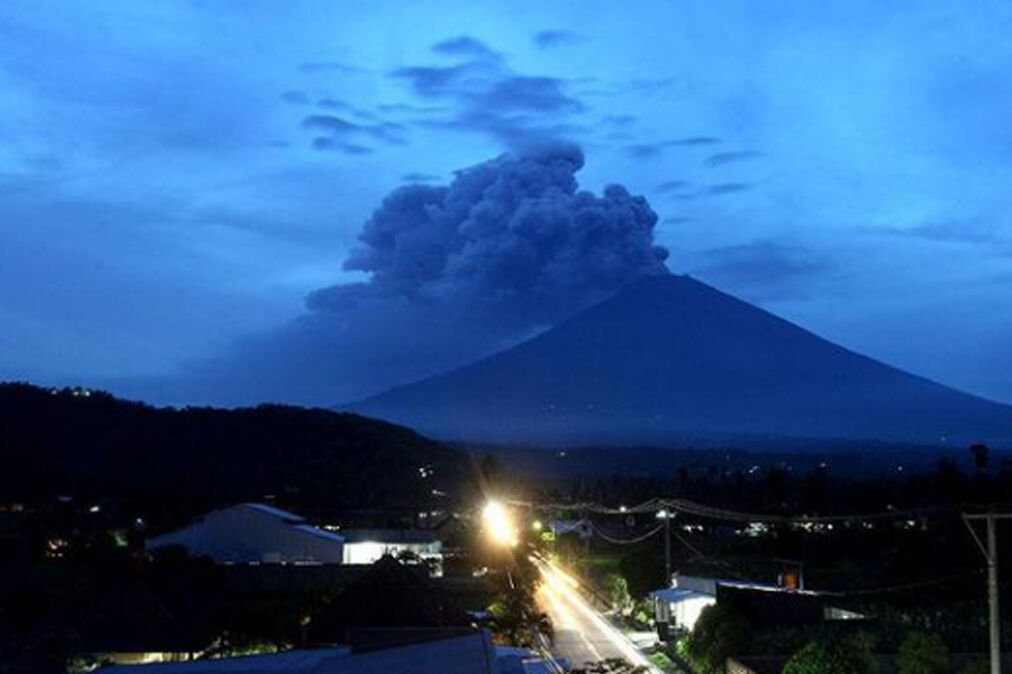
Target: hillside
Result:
[89, 444]
[672, 360]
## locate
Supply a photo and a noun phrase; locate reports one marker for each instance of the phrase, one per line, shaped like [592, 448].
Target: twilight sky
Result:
[183, 184]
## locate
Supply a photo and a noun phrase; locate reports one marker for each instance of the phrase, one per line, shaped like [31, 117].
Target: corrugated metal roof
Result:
[673, 595]
[275, 512]
[388, 535]
[316, 531]
[471, 654]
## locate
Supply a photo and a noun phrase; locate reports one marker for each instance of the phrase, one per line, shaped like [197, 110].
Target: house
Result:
[678, 607]
[253, 533]
[365, 546]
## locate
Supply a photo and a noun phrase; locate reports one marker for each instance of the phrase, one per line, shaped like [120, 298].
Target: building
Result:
[678, 607]
[390, 596]
[471, 652]
[254, 533]
[365, 546]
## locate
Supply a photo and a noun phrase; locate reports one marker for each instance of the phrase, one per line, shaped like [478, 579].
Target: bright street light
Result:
[498, 524]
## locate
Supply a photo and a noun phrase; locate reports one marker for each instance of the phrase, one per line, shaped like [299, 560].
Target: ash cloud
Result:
[514, 235]
[453, 273]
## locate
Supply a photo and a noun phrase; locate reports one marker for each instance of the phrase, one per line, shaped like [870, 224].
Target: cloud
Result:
[434, 81]
[547, 39]
[762, 269]
[295, 97]
[983, 233]
[464, 45]
[336, 105]
[696, 140]
[331, 66]
[618, 120]
[671, 186]
[454, 272]
[533, 94]
[407, 108]
[513, 230]
[644, 150]
[340, 130]
[331, 123]
[419, 177]
[724, 188]
[489, 97]
[328, 144]
[655, 149]
[722, 158]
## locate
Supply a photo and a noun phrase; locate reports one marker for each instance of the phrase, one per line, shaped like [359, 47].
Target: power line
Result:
[628, 541]
[941, 580]
[694, 509]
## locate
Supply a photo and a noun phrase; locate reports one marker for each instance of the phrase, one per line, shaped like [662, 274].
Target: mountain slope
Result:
[670, 359]
[89, 444]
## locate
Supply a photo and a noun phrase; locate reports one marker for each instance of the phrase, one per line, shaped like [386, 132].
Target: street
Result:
[581, 634]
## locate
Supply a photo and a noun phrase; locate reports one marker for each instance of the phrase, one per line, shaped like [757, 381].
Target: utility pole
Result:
[990, 551]
[666, 516]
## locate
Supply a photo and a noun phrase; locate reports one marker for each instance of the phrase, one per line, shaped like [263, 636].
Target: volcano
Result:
[671, 360]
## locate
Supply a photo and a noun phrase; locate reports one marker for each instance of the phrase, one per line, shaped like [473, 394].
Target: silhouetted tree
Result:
[981, 454]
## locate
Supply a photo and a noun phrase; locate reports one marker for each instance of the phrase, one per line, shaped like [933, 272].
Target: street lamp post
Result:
[666, 516]
[990, 552]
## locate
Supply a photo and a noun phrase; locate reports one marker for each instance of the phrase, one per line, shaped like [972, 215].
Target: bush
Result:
[827, 657]
[618, 592]
[922, 653]
[719, 634]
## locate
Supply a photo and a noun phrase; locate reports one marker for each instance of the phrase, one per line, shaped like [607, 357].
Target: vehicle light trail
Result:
[573, 611]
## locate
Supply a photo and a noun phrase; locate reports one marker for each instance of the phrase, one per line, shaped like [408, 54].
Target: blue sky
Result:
[177, 177]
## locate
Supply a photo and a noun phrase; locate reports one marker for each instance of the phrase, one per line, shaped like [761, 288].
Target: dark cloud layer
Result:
[722, 158]
[557, 38]
[485, 95]
[657, 148]
[725, 188]
[342, 133]
[452, 273]
[463, 45]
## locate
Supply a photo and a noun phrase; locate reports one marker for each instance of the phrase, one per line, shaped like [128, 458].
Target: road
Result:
[581, 634]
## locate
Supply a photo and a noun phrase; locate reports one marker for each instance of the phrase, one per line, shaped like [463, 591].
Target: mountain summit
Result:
[670, 359]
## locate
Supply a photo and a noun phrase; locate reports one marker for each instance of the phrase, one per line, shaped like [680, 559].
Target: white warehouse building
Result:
[365, 546]
[256, 533]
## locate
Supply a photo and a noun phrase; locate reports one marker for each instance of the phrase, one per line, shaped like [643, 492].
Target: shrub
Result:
[922, 653]
[827, 657]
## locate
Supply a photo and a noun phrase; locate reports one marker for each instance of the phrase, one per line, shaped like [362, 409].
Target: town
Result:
[505, 337]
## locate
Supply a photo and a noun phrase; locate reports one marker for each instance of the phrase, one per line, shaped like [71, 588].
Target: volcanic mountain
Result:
[671, 360]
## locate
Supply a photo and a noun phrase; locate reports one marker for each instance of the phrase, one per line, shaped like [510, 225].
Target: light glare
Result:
[498, 524]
